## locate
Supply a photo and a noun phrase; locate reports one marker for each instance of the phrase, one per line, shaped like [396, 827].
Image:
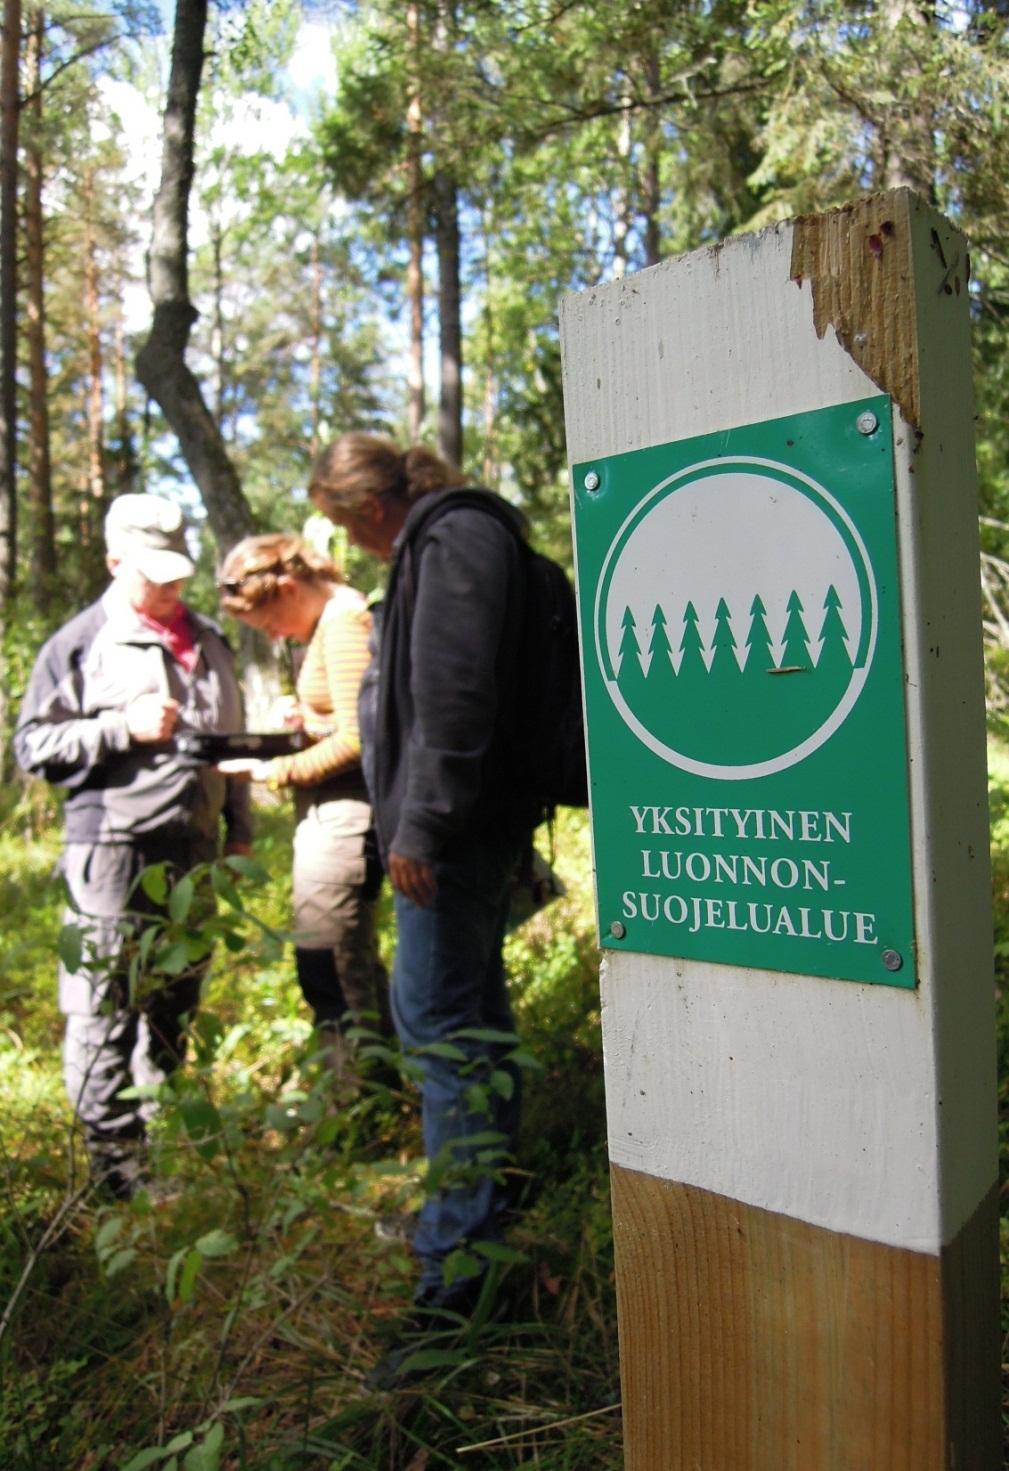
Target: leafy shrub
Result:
[230, 1323]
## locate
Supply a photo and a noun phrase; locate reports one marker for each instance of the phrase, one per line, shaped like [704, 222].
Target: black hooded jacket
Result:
[440, 704]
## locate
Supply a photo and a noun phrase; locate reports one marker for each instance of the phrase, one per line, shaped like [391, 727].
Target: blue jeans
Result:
[448, 976]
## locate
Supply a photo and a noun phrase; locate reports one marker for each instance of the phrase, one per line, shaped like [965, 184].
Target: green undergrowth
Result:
[231, 1324]
[998, 803]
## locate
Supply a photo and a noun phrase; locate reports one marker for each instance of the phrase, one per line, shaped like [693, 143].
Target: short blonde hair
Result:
[357, 466]
[250, 572]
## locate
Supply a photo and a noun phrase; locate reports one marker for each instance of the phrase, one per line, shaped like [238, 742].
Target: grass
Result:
[232, 1327]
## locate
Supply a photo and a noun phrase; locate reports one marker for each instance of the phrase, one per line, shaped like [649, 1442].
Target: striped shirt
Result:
[328, 684]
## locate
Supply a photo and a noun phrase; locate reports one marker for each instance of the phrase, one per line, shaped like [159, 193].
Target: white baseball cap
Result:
[149, 533]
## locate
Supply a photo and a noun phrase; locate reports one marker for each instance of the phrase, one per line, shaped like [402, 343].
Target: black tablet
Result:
[214, 746]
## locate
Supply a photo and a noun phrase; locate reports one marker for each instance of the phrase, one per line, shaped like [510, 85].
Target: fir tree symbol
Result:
[692, 663]
[660, 648]
[796, 652]
[759, 658]
[630, 676]
[833, 637]
[723, 662]
[728, 711]
[629, 653]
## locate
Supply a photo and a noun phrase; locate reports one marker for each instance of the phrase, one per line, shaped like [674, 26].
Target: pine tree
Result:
[833, 635]
[630, 654]
[659, 647]
[759, 658]
[796, 651]
[691, 646]
[833, 667]
[723, 663]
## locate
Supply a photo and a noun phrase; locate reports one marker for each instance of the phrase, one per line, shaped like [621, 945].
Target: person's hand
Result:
[413, 879]
[151, 718]
[286, 711]
[244, 768]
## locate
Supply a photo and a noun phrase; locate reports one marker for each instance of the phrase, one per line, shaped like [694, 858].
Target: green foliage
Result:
[232, 1324]
[227, 1318]
[998, 801]
[583, 140]
[365, 132]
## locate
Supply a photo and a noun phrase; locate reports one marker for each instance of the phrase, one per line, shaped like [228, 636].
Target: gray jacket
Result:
[72, 728]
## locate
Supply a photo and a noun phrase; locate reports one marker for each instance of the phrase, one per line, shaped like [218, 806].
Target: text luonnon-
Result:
[681, 871]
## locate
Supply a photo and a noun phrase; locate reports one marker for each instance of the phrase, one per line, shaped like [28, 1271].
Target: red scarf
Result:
[177, 637]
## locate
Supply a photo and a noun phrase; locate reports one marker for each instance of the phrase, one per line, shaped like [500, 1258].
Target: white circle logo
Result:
[736, 618]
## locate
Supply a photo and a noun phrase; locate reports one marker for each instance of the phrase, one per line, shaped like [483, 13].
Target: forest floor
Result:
[232, 1324]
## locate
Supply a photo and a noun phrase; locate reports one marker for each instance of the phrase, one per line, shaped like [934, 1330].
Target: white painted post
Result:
[803, 1164]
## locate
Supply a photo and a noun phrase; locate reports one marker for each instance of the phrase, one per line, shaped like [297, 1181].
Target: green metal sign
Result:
[740, 615]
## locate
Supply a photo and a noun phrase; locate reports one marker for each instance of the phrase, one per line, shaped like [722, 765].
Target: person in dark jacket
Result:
[107, 693]
[451, 826]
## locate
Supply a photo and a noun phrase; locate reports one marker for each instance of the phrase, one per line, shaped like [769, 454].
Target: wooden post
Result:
[792, 874]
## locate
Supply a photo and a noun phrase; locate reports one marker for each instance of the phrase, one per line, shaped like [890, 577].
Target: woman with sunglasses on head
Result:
[280, 585]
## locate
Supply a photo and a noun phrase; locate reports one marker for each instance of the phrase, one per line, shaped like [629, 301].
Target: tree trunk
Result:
[622, 194]
[40, 491]
[92, 314]
[125, 455]
[161, 362]
[9, 119]
[489, 476]
[10, 105]
[217, 348]
[415, 270]
[446, 199]
[652, 195]
[315, 377]
[907, 148]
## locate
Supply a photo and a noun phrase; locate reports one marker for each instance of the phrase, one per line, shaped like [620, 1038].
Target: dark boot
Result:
[320, 985]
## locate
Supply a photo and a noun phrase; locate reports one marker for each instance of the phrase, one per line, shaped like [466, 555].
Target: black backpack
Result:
[547, 740]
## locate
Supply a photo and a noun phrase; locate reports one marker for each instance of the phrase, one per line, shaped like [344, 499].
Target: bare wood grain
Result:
[760, 1343]
[858, 261]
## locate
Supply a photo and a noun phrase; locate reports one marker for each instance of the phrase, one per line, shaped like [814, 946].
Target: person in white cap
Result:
[108, 693]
